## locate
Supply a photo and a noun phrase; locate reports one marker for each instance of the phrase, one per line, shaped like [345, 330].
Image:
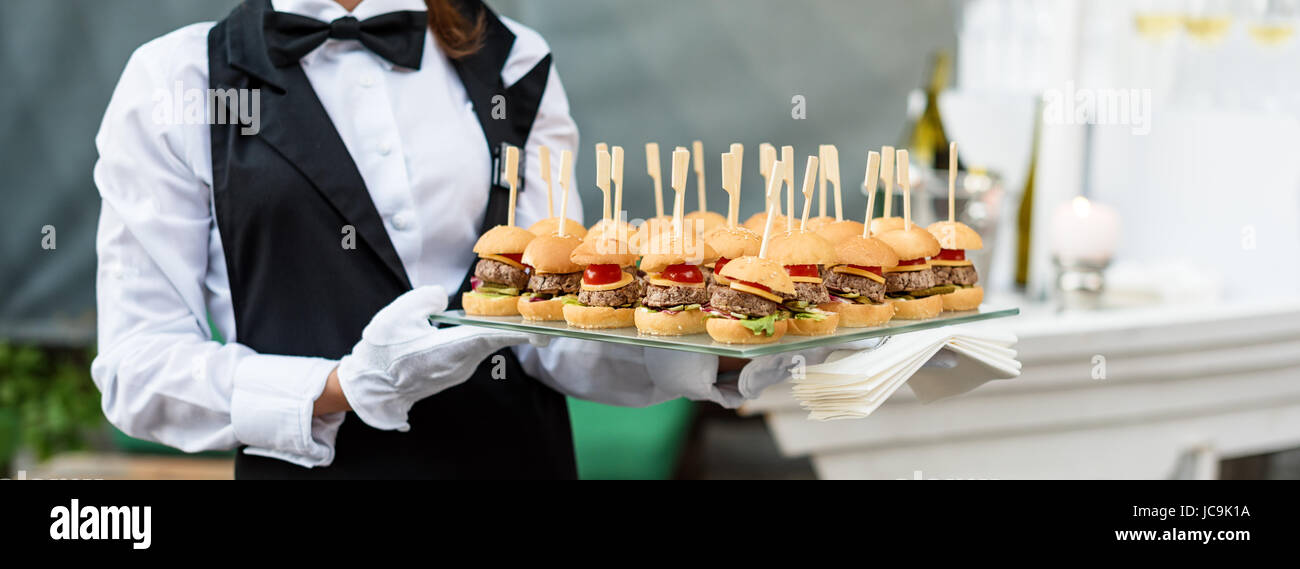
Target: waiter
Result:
[316, 238]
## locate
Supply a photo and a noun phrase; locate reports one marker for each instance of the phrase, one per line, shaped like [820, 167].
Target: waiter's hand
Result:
[402, 359]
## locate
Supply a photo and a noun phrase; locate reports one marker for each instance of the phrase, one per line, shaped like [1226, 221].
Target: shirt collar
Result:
[330, 10]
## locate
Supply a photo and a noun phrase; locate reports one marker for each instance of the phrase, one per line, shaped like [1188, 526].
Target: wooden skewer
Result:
[887, 174]
[906, 182]
[601, 146]
[787, 156]
[566, 176]
[544, 161]
[616, 172]
[869, 188]
[602, 179]
[832, 169]
[821, 181]
[809, 180]
[766, 156]
[730, 179]
[652, 168]
[512, 178]
[952, 182]
[697, 148]
[738, 150]
[681, 161]
[773, 188]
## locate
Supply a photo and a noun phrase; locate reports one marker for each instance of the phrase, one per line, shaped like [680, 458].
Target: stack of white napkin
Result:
[852, 384]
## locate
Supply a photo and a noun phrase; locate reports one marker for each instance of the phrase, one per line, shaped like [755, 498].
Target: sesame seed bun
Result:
[865, 251]
[963, 299]
[955, 235]
[883, 224]
[666, 249]
[804, 248]
[706, 221]
[918, 309]
[599, 317]
[766, 272]
[836, 231]
[730, 331]
[806, 327]
[550, 253]
[661, 323]
[482, 305]
[552, 224]
[857, 315]
[758, 221]
[734, 242]
[604, 251]
[541, 310]
[913, 243]
[503, 240]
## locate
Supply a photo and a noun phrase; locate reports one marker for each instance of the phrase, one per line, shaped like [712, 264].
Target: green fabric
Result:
[622, 443]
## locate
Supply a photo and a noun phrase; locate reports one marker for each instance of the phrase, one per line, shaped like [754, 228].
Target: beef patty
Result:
[844, 282]
[555, 283]
[618, 297]
[908, 280]
[812, 293]
[668, 296]
[730, 300]
[955, 275]
[500, 273]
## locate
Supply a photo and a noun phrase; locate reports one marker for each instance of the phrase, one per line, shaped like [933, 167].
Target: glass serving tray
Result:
[702, 343]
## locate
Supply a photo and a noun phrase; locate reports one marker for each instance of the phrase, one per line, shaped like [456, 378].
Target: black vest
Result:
[282, 199]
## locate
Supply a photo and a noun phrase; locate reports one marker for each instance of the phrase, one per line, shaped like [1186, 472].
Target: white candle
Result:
[1084, 231]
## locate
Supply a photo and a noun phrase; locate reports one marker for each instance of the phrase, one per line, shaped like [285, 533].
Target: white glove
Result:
[402, 358]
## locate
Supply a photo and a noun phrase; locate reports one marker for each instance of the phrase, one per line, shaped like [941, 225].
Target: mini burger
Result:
[675, 289]
[838, 231]
[749, 309]
[555, 278]
[952, 268]
[910, 285]
[885, 224]
[805, 256]
[609, 291]
[552, 225]
[857, 282]
[500, 274]
[730, 243]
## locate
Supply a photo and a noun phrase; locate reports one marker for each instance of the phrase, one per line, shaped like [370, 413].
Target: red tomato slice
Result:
[951, 255]
[722, 262]
[602, 274]
[874, 270]
[803, 270]
[685, 274]
[907, 262]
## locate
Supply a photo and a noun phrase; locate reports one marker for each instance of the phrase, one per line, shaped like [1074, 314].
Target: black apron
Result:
[283, 198]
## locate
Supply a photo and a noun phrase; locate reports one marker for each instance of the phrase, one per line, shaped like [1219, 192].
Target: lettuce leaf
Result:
[765, 325]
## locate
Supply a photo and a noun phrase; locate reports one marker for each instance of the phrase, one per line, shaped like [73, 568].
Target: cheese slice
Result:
[620, 283]
[858, 272]
[721, 279]
[655, 279]
[817, 280]
[506, 260]
[907, 268]
[943, 263]
[755, 291]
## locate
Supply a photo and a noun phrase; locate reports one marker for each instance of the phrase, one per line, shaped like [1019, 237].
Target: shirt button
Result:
[385, 148]
[401, 221]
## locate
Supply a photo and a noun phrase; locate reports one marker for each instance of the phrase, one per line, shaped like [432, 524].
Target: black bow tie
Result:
[395, 36]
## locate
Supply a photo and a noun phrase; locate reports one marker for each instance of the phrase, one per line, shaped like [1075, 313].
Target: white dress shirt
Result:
[419, 147]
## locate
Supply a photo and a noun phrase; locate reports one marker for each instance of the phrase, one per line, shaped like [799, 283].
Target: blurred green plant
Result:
[48, 402]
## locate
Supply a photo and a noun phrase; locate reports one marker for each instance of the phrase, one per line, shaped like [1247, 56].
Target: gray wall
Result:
[669, 71]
